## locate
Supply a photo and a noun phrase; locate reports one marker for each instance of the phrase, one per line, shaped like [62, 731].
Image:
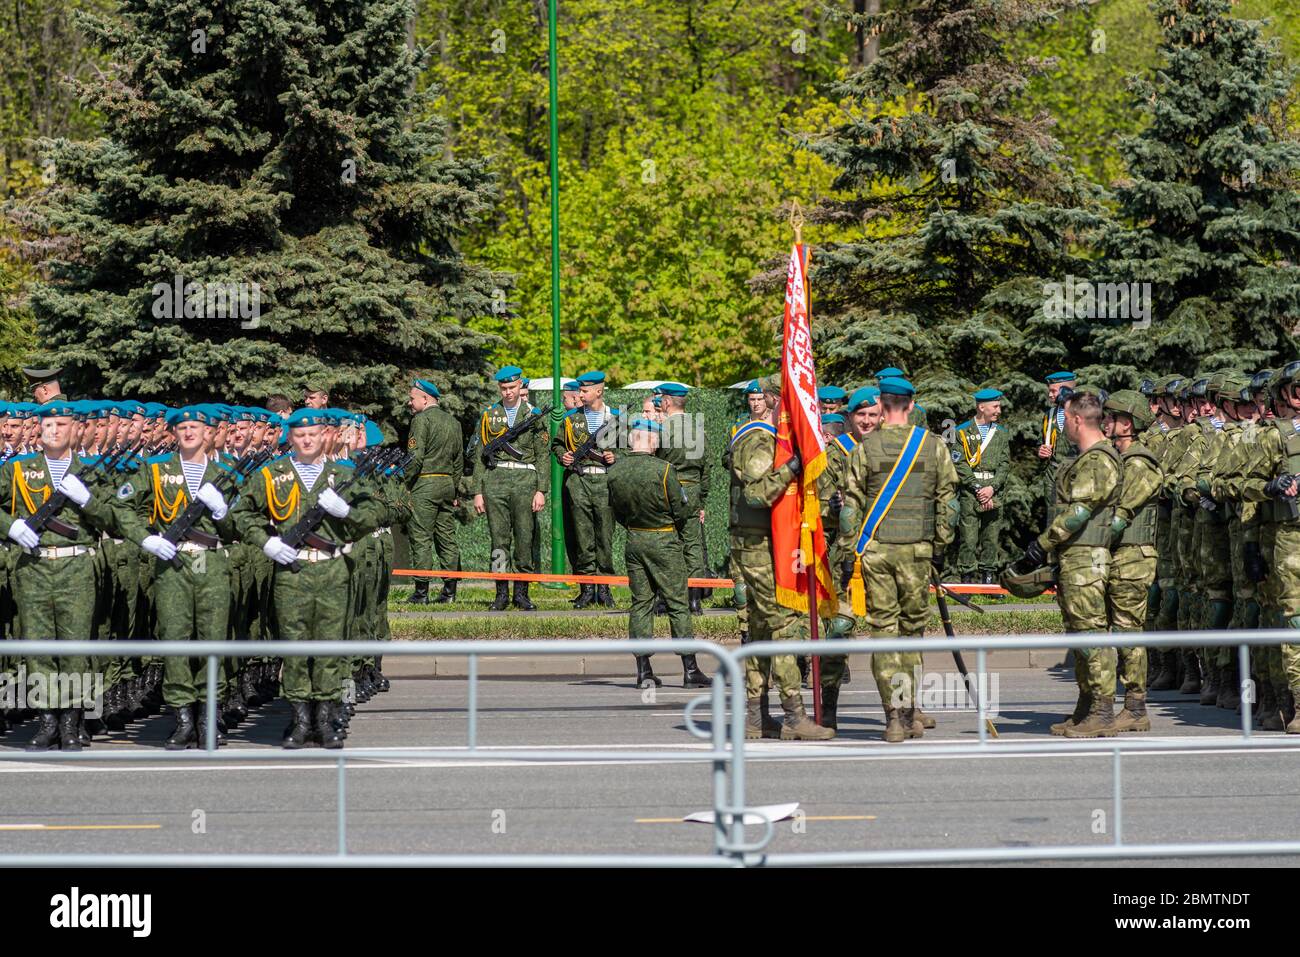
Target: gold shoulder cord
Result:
[23, 491]
[163, 509]
[280, 509]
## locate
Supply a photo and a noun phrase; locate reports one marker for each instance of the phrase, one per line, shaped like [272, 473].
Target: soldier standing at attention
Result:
[832, 399]
[900, 514]
[755, 487]
[316, 396]
[681, 443]
[983, 459]
[511, 485]
[1051, 450]
[1133, 546]
[586, 483]
[1087, 491]
[437, 466]
[646, 498]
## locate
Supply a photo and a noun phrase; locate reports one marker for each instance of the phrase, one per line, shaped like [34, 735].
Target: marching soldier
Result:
[511, 484]
[586, 483]
[437, 466]
[899, 516]
[682, 444]
[310, 587]
[1133, 546]
[755, 487]
[649, 501]
[1168, 443]
[982, 455]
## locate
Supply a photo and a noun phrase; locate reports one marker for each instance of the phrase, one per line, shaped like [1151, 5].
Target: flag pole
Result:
[810, 568]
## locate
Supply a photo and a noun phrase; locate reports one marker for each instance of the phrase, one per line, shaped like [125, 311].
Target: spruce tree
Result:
[964, 210]
[1210, 209]
[280, 143]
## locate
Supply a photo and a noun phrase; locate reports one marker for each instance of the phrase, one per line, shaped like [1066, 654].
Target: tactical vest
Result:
[745, 517]
[911, 518]
[1097, 529]
[1286, 431]
[1142, 529]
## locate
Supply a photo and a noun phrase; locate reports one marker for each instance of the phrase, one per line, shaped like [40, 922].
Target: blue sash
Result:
[897, 476]
[847, 442]
[750, 427]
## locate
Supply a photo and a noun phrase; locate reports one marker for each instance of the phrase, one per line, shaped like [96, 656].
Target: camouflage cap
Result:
[1133, 404]
[771, 383]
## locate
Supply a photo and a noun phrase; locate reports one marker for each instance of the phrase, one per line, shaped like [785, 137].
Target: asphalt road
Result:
[492, 806]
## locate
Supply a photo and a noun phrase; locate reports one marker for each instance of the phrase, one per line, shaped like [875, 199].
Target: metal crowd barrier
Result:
[726, 734]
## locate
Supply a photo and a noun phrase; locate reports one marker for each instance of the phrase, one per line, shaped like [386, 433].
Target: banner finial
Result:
[796, 221]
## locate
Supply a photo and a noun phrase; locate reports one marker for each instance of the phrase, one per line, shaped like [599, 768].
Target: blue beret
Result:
[25, 410]
[986, 395]
[594, 377]
[896, 385]
[753, 388]
[645, 425]
[524, 380]
[189, 413]
[890, 372]
[305, 417]
[1060, 377]
[50, 409]
[832, 417]
[672, 388]
[572, 385]
[374, 434]
[831, 393]
[867, 395]
[424, 385]
[509, 374]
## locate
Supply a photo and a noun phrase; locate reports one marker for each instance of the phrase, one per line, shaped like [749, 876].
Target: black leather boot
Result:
[660, 606]
[84, 734]
[830, 705]
[586, 595]
[185, 735]
[328, 735]
[604, 596]
[645, 675]
[693, 599]
[692, 676]
[420, 596]
[298, 733]
[201, 724]
[803, 662]
[115, 715]
[521, 597]
[503, 597]
[47, 733]
[135, 700]
[448, 593]
[382, 684]
[70, 729]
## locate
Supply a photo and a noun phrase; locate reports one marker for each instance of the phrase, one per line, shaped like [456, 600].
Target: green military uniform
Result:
[55, 591]
[313, 602]
[508, 482]
[587, 485]
[647, 499]
[436, 446]
[755, 487]
[982, 460]
[830, 485]
[1087, 491]
[899, 516]
[192, 601]
[682, 444]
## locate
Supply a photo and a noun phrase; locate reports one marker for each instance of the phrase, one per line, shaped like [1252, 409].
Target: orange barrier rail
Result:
[622, 580]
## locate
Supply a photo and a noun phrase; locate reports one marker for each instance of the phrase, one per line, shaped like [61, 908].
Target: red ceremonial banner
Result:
[797, 537]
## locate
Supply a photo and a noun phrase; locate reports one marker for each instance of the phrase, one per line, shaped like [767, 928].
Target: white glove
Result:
[23, 535]
[72, 487]
[276, 550]
[159, 547]
[210, 497]
[333, 503]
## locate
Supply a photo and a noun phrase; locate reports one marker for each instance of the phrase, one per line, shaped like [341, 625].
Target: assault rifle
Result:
[304, 531]
[44, 517]
[587, 449]
[506, 439]
[183, 527]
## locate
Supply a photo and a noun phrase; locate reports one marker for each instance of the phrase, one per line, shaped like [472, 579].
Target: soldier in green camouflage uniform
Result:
[755, 487]
[434, 476]
[757, 411]
[682, 443]
[1166, 439]
[647, 499]
[511, 485]
[1087, 491]
[1055, 450]
[900, 514]
[1133, 547]
[982, 454]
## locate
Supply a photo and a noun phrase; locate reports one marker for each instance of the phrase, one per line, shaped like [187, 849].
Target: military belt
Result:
[315, 555]
[196, 547]
[516, 465]
[380, 531]
[592, 470]
[62, 551]
[661, 528]
[986, 476]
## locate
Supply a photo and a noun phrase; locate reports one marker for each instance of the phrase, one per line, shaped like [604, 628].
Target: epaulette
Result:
[229, 467]
[25, 457]
[156, 459]
[573, 411]
[345, 463]
[965, 425]
[750, 428]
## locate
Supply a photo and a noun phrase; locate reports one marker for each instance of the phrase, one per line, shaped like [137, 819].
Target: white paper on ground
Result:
[755, 815]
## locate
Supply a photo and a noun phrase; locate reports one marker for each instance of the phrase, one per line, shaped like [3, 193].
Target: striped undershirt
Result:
[58, 468]
[511, 413]
[308, 474]
[194, 474]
